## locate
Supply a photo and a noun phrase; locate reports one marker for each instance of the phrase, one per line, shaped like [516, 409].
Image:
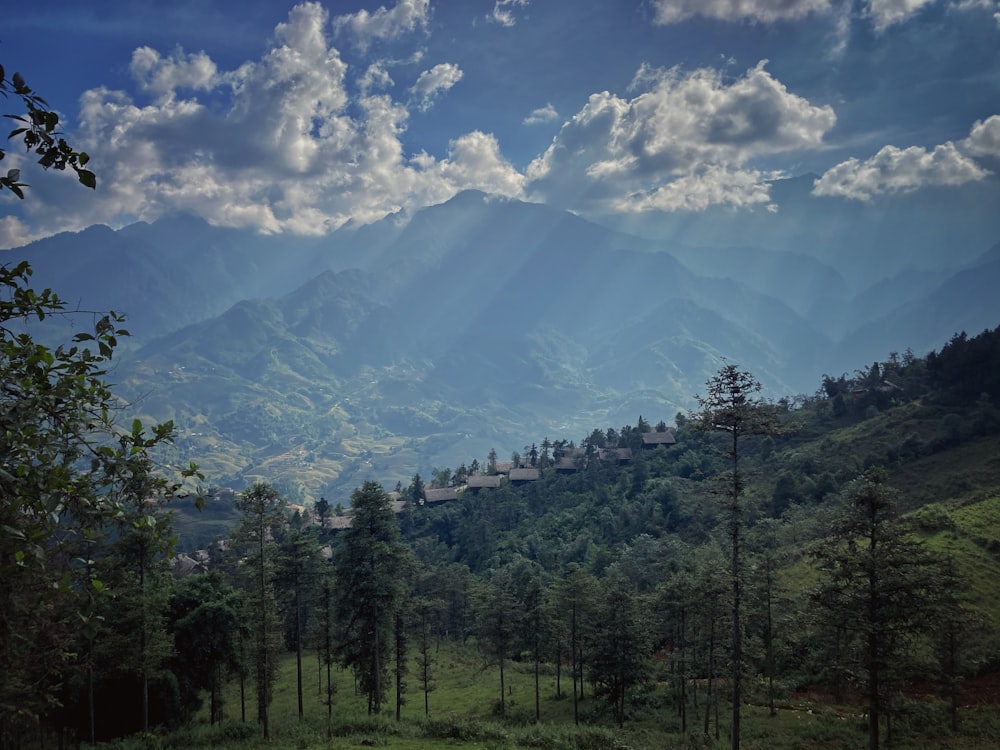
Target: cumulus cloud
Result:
[375, 77]
[766, 11]
[984, 138]
[541, 115]
[899, 170]
[693, 128]
[284, 146]
[503, 11]
[432, 83]
[164, 75]
[385, 23]
[473, 159]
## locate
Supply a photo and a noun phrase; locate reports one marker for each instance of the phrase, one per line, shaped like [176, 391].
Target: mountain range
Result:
[425, 340]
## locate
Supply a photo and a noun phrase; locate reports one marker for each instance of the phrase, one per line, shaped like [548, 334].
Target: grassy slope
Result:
[460, 717]
[952, 499]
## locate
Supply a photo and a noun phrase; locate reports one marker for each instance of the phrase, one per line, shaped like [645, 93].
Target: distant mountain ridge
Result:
[394, 347]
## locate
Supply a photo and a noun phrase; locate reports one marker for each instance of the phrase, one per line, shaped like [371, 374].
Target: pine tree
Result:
[732, 406]
[577, 595]
[878, 587]
[296, 574]
[263, 516]
[203, 618]
[498, 620]
[370, 564]
[621, 644]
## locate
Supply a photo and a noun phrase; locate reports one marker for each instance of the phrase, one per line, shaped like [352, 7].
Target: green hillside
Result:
[793, 572]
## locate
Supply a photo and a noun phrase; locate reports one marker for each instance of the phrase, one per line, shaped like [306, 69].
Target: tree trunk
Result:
[142, 636]
[559, 670]
[683, 675]
[572, 648]
[737, 523]
[503, 701]
[769, 637]
[377, 663]
[711, 674]
[298, 646]
[538, 659]
[264, 658]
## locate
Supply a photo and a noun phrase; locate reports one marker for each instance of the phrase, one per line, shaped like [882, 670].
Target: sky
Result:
[300, 118]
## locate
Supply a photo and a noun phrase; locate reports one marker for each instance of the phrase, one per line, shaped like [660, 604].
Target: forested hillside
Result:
[376, 352]
[646, 573]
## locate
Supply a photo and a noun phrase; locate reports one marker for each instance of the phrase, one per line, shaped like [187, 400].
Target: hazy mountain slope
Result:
[937, 228]
[171, 273]
[967, 301]
[807, 285]
[472, 323]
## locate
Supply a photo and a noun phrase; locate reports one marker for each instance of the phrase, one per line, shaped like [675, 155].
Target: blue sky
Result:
[301, 117]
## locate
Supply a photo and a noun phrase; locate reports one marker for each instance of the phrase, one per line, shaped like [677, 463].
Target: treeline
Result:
[663, 585]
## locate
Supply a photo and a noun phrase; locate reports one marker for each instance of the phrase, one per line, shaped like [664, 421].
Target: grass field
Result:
[461, 715]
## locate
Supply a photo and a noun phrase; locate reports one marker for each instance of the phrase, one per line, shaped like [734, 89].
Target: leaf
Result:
[13, 175]
[87, 178]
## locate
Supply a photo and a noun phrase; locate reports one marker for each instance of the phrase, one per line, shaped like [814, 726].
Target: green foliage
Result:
[69, 476]
[38, 130]
[204, 619]
[263, 519]
[370, 565]
[878, 593]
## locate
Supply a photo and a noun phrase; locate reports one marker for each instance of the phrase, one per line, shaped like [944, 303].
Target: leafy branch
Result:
[38, 129]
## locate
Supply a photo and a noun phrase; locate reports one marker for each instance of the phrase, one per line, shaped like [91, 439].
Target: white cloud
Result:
[984, 138]
[375, 77]
[898, 170]
[976, 4]
[690, 127]
[385, 23]
[432, 83]
[284, 145]
[14, 233]
[164, 75]
[541, 115]
[503, 11]
[992, 6]
[886, 13]
[474, 160]
[883, 13]
[700, 189]
[767, 11]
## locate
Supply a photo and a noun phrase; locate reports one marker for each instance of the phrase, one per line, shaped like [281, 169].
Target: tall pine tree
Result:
[263, 516]
[732, 406]
[878, 589]
[370, 564]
